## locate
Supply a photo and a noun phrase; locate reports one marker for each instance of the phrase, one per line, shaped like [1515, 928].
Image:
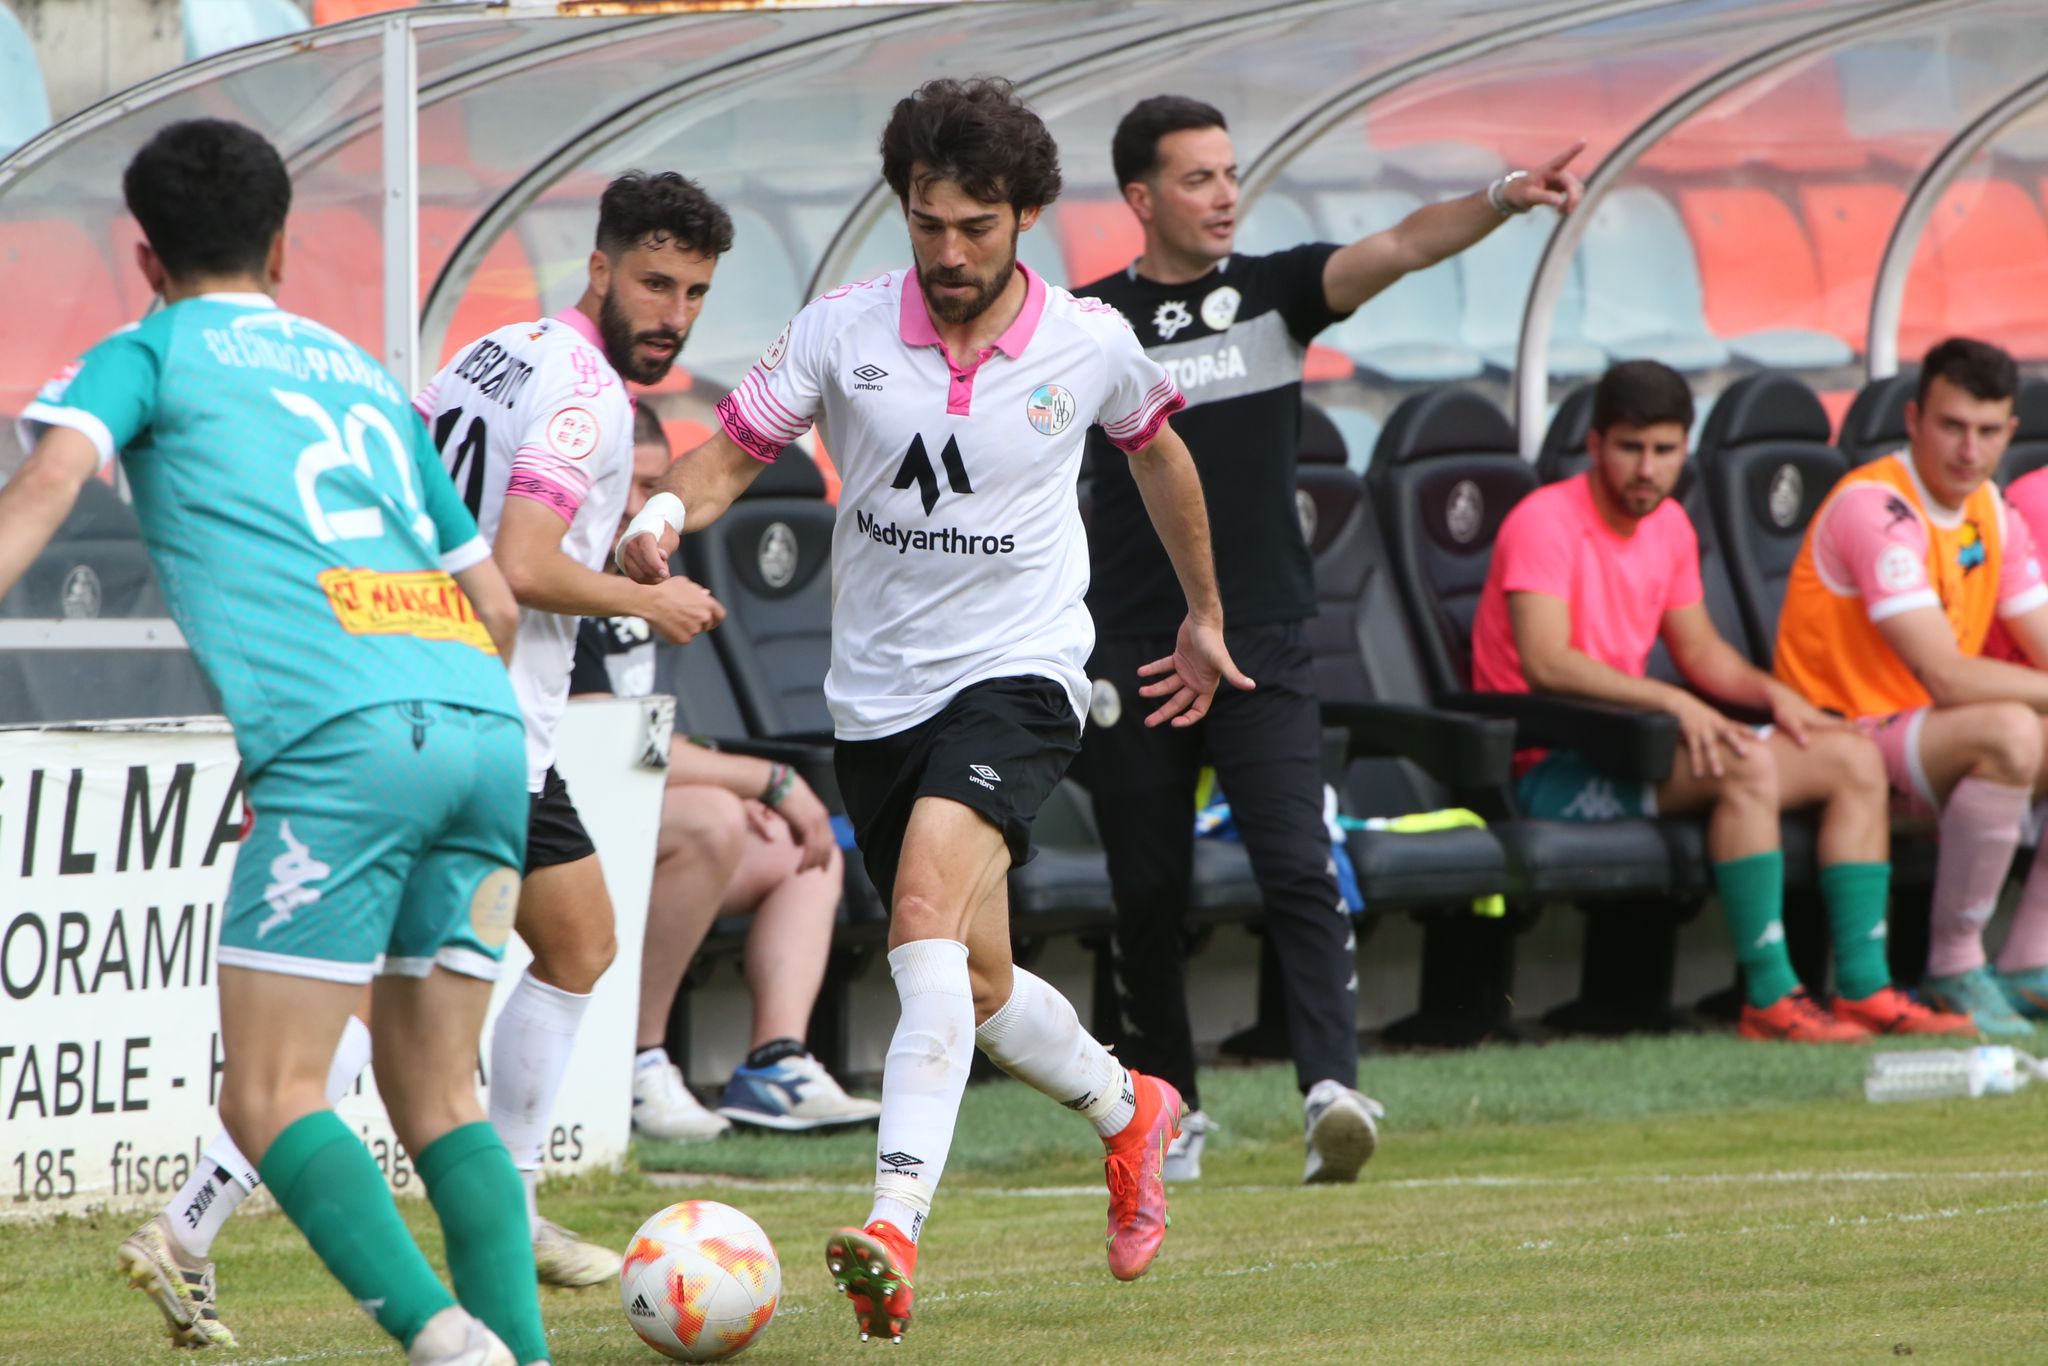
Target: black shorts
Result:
[999, 747]
[554, 832]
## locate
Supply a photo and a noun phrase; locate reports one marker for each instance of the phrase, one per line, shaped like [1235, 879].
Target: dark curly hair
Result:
[211, 197]
[1978, 368]
[642, 209]
[977, 134]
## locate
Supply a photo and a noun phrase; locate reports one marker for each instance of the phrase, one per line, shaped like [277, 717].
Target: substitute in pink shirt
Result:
[1586, 576]
[1618, 587]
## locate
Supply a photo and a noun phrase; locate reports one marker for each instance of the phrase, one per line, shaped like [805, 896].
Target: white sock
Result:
[224, 1178]
[1037, 1038]
[529, 1056]
[351, 1056]
[923, 1076]
[656, 1056]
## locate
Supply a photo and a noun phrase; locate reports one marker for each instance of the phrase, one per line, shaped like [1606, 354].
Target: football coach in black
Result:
[1233, 330]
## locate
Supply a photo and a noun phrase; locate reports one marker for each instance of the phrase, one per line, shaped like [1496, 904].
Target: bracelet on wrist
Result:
[1496, 195]
[780, 781]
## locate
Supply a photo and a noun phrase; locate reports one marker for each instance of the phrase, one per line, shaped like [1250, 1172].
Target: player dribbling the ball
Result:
[959, 637]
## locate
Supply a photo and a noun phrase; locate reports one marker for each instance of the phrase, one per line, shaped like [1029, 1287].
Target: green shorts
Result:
[1564, 787]
[389, 839]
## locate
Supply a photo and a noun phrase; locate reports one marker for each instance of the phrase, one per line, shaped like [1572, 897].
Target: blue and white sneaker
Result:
[793, 1094]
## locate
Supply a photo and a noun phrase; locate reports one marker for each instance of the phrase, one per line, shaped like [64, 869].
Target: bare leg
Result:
[791, 938]
[703, 831]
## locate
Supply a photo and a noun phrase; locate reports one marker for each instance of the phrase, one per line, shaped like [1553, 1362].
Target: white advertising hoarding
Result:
[116, 850]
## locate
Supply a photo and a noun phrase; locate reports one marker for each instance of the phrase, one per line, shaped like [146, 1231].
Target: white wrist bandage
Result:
[663, 509]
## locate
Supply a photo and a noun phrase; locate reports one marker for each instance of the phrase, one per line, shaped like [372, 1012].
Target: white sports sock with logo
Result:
[923, 1077]
[1037, 1038]
[530, 1048]
[225, 1178]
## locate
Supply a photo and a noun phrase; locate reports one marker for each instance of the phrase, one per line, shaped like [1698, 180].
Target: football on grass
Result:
[700, 1282]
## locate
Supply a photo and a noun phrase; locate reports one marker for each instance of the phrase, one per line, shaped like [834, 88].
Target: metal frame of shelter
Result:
[1055, 69]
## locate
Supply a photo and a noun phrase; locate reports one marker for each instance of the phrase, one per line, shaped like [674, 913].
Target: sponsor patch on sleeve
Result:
[572, 433]
[1899, 569]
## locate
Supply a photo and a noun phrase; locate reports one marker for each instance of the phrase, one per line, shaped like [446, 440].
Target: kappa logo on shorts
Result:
[983, 775]
[290, 872]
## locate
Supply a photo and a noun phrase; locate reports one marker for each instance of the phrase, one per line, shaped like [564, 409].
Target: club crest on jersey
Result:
[1219, 310]
[1170, 317]
[572, 433]
[778, 348]
[1050, 409]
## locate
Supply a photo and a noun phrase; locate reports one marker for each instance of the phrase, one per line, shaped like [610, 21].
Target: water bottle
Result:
[1949, 1073]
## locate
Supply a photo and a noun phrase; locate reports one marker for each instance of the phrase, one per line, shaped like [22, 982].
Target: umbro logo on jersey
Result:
[984, 776]
[869, 377]
[917, 469]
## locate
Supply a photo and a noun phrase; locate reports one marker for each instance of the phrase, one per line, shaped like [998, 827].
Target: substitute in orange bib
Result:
[1907, 566]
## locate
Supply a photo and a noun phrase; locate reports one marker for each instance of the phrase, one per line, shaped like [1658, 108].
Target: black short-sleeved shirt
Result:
[614, 655]
[1234, 341]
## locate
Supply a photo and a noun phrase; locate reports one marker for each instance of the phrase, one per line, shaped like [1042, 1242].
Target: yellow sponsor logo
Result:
[427, 603]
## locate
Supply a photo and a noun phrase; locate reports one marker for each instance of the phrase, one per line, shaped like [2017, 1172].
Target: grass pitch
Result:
[1692, 1199]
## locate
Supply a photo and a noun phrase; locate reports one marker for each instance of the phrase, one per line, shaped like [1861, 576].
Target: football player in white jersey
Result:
[536, 428]
[956, 397]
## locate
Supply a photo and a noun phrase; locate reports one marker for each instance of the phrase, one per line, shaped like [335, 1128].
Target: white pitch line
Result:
[679, 1180]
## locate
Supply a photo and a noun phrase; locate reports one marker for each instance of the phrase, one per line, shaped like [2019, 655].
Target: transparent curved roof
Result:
[1751, 162]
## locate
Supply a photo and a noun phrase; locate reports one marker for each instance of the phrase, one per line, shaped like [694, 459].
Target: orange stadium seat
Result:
[333, 273]
[1525, 118]
[503, 289]
[1849, 225]
[1756, 266]
[76, 306]
[1992, 246]
[334, 11]
[1795, 124]
[1098, 237]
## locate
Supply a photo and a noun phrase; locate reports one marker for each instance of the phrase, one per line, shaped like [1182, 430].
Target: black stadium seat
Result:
[1363, 662]
[1875, 424]
[2029, 449]
[96, 566]
[769, 561]
[1563, 453]
[1766, 464]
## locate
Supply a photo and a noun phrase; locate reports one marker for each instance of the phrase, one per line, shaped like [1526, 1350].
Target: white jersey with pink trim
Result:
[535, 411]
[958, 555]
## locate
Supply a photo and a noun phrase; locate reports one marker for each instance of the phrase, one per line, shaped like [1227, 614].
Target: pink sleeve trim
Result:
[550, 495]
[1152, 395]
[761, 446]
[1131, 445]
[425, 401]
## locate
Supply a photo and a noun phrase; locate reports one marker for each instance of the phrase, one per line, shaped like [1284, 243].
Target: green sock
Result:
[1855, 894]
[1753, 898]
[326, 1181]
[482, 1203]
